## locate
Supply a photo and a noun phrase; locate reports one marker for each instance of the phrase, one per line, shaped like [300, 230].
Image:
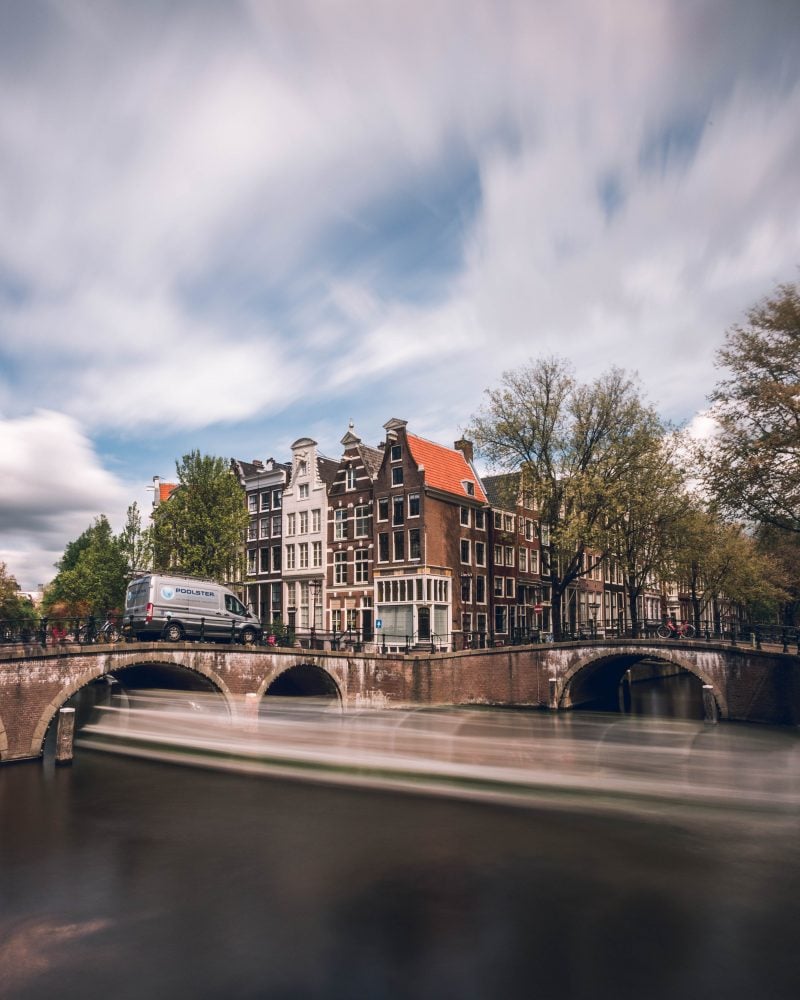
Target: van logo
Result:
[167, 593]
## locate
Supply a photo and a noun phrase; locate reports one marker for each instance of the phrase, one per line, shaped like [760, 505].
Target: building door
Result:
[423, 623]
[366, 624]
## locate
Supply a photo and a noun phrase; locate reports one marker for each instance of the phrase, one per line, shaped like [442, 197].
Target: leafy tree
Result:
[200, 529]
[752, 466]
[717, 559]
[782, 549]
[135, 542]
[578, 447]
[647, 528]
[92, 574]
[13, 606]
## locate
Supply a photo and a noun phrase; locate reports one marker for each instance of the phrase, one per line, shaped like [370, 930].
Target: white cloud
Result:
[52, 486]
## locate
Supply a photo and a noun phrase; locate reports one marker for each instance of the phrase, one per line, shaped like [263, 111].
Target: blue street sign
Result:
[379, 623]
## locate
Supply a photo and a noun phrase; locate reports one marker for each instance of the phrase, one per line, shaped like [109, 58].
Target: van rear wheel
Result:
[249, 636]
[173, 632]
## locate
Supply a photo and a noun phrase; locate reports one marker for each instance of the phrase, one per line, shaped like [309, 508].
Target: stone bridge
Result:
[739, 682]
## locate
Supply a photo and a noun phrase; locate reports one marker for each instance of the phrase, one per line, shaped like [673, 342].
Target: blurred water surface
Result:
[461, 853]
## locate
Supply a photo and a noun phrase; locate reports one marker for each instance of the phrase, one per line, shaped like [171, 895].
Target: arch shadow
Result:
[152, 668]
[301, 680]
[596, 678]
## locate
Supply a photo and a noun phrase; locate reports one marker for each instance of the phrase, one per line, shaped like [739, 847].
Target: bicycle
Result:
[109, 631]
[670, 630]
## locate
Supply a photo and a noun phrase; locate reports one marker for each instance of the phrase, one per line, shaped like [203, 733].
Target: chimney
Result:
[465, 447]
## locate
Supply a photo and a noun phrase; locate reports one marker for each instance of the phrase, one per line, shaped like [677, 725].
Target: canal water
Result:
[647, 858]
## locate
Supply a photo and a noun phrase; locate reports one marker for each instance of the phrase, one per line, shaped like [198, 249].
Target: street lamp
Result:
[594, 605]
[315, 586]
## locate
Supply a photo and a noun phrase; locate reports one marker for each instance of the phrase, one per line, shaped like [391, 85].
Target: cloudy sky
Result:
[225, 226]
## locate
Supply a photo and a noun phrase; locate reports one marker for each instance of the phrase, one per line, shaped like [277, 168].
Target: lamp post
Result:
[315, 586]
[593, 606]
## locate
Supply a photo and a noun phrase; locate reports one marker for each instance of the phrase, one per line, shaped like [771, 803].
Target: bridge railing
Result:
[59, 631]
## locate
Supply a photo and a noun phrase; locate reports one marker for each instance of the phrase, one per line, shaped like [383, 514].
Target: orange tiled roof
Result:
[445, 468]
[165, 491]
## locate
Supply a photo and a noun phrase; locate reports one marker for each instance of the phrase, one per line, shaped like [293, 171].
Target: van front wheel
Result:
[248, 636]
[172, 632]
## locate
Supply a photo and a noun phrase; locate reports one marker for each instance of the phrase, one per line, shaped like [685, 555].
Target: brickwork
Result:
[748, 685]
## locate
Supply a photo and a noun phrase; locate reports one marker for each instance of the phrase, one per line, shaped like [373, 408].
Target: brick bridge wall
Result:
[748, 685]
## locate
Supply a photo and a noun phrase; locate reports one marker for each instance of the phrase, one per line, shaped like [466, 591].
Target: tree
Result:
[92, 574]
[201, 528]
[648, 529]
[136, 543]
[720, 560]
[577, 447]
[752, 466]
[13, 606]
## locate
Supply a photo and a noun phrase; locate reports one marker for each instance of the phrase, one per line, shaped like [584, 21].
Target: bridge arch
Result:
[156, 665]
[303, 680]
[596, 675]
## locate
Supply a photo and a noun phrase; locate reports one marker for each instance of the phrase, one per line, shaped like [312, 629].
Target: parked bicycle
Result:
[109, 631]
[675, 630]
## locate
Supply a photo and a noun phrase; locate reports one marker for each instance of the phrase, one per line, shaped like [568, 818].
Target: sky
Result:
[226, 226]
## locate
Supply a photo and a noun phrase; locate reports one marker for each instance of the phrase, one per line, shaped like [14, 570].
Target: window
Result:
[501, 618]
[397, 476]
[264, 561]
[466, 622]
[464, 514]
[413, 504]
[252, 503]
[414, 549]
[251, 562]
[469, 487]
[480, 589]
[276, 558]
[362, 566]
[290, 524]
[510, 586]
[383, 547]
[383, 509]
[340, 524]
[316, 553]
[252, 531]
[398, 510]
[498, 520]
[399, 546]
[302, 491]
[277, 499]
[316, 521]
[290, 556]
[544, 534]
[498, 586]
[276, 524]
[509, 555]
[534, 561]
[303, 529]
[340, 567]
[362, 521]
[528, 529]
[480, 554]
[303, 547]
[466, 589]
[523, 559]
[351, 619]
[336, 620]
[265, 501]
[464, 547]
[350, 478]
[498, 555]
[264, 527]
[276, 598]
[302, 468]
[480, 520]
[396, 453]
[508, 522]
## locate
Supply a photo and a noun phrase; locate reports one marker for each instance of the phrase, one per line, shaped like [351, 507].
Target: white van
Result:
[183, 607]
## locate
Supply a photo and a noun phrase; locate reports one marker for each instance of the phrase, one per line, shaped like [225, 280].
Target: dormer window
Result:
[469, 487]
[302, 468]
[350, 478]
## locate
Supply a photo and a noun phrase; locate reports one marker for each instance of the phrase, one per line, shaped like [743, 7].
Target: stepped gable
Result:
[445, 469]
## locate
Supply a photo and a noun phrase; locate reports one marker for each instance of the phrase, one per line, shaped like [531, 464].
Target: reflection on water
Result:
[507, 755]
[652, 858]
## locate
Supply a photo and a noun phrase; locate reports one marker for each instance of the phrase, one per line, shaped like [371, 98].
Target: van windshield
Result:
[235, 606]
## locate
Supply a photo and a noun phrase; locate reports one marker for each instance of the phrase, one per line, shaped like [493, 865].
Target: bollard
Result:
[553, 686]
[710, 709]
[65, 732]
[625, 693]
[753, 639]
